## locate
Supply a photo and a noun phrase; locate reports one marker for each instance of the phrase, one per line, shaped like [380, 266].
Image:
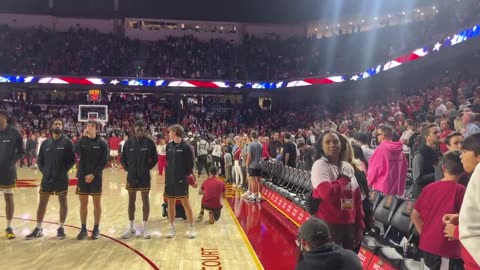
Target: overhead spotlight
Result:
[403, 13]
[421, 14]
[363, 21]
[389, 16]
[316, 29]
[326, 27]
[376, 18]
[418, 10]
[338, 25]
[437, 10]
[350, 23]
[434, 7]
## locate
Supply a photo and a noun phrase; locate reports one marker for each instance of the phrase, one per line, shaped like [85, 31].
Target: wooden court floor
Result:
[222, 245]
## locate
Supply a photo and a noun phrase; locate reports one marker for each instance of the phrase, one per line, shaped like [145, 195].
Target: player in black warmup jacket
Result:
[138, 158]
[179, 168]
[93, 153]
[55, 159]
[11, 150]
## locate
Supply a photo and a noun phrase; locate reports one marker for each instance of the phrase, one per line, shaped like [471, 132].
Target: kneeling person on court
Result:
[139, 157]
[55, 159]
[213, 190]
[93, 152]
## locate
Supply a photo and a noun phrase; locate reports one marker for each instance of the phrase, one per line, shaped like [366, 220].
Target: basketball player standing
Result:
[55, 159]
[11, 150]
[93, 152]
[138, 158]
[179, 167]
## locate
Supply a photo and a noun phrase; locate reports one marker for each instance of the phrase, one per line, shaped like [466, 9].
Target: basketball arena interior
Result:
[276, 135]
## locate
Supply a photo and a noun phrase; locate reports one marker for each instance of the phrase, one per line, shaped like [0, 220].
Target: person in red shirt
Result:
[436, 200]
[213, 190]
[445, 128]
[113, 145]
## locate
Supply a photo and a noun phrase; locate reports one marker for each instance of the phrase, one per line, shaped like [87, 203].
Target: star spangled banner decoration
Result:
[267, 85]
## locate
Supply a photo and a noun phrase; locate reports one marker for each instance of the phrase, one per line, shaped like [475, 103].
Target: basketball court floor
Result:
[245, 237]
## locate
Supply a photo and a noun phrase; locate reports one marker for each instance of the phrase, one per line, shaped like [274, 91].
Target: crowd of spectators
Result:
[85, 52]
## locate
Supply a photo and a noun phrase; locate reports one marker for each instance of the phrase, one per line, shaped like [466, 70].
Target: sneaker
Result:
[250, 198]
[211, 219]
[95, 234]
[129, 233]
[9, 233]
[82, 235]
[171, 232]
[200, 218]
[37, 232]
[146, 234]
[246, 194]
[191, 233]
[61, 233]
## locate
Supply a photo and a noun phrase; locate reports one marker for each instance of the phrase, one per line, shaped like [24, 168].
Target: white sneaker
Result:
[129, 233]
[146, 234]
[191, 233]
[246, 194]
[171, 232]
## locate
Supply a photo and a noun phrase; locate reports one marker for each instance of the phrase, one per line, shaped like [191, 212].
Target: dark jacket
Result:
[423, 165]
[11, 148]
[329, 256]
[273, 147]
[55, 159]
[308, 157]
[139, 157]
[179, 163]
[31, 147]
[93, 156]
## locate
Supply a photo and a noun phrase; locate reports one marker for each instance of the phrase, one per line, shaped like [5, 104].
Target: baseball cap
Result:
[139, 123]
[314, 230]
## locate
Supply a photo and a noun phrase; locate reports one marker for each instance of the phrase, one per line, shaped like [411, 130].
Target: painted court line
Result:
[145, 258]
[244, 236]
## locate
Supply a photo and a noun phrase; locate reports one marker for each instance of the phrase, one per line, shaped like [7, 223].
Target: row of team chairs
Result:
[392, 236]
[289, 182]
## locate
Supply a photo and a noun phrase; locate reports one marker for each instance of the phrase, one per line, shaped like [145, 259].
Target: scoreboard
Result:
[94, 95]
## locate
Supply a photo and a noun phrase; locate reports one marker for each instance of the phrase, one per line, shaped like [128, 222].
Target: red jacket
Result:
[330, 210]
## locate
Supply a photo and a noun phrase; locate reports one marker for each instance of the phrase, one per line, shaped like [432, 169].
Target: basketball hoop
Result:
[97, 113]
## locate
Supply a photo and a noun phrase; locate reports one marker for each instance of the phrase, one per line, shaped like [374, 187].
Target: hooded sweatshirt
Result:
[469, 222]
[387, 169]
[329, 256]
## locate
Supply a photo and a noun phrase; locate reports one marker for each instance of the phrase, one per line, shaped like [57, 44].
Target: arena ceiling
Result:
[258, 11]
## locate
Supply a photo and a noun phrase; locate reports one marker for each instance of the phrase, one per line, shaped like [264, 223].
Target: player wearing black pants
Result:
[93, 152]
[11, 150]
[55, 159]
[179, 167]
[139, 157]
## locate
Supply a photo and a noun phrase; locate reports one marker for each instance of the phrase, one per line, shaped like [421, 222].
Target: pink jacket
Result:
[387, 169]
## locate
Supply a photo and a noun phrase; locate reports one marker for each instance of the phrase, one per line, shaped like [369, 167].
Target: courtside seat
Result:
[410, 264]
[384, 212]
[375, 197]
[400, 229]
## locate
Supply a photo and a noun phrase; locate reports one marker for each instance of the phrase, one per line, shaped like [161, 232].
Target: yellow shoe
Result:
[9, 233]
